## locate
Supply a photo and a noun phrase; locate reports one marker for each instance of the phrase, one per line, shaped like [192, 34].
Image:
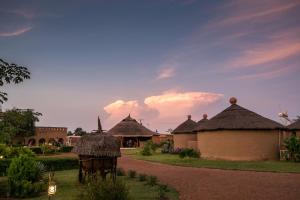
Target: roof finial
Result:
[205, 116]
[99, 126]
[233, 100]
[189, 117]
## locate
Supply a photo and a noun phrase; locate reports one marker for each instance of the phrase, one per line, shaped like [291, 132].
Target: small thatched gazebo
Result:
[131, 133]
[183, 134]
[98, 152]
[239, 134]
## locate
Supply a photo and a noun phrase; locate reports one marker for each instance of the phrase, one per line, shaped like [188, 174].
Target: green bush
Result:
[36, 150]
[191, 153]
[66, 149]
[292, 144]
[146, 151]
[25, 177]
[162, 192]
[131, 174]
[97, 189]
[142, 177]
[152, 180]
[54, 164]
[121, 172]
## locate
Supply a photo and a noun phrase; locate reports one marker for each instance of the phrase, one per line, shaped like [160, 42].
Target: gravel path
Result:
[206, 184]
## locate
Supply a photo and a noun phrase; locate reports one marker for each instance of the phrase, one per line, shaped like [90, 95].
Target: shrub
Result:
[66, 149]
[131, 174]
[177, 151]
[292, 144]
[152, 180]
[36, 150]
[146, 151]
[191, 153]
[17, 151]
[162, 192]
[121, 172]
[47, 149]
[142, 177]
[97, 189]
[25, 177]
[4, 150]
[54, 164]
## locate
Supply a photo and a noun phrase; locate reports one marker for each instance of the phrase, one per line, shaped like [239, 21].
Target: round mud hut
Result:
[130, 133]
[239, 134]
[98, 153]
[183, 135]
[294, 128]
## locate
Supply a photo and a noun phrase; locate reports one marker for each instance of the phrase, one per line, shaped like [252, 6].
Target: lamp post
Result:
[51, 186]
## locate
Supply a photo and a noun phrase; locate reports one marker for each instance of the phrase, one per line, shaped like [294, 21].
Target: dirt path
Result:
[200, 183]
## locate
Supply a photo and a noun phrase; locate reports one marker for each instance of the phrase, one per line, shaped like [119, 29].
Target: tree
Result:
[17, 122]
[11, 73]
[79, 131]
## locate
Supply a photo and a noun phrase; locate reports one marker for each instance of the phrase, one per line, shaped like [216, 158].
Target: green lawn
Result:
[68, 188]
[272, 166]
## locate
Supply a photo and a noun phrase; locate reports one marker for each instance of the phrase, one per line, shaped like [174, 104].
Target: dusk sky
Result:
[159, 60]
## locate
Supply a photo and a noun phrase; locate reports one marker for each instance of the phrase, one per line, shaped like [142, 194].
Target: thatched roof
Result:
[295, 125]
[236, 117]
[202, 121]
[186, 127]
[98, 145]
[129, 127]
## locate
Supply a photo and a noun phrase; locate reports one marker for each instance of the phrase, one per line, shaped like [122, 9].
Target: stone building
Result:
[239, 134]
[47, 135]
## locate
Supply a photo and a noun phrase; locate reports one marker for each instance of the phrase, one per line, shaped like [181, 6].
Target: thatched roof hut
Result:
[236, 117]
[129, 127]
[294, 126]
[186, 127]
[98, 145]
[239, 134]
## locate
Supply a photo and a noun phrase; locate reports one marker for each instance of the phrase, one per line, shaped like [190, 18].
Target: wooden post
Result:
[80, 171]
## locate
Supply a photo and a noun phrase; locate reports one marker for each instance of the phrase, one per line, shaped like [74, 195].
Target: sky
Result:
[158, 60]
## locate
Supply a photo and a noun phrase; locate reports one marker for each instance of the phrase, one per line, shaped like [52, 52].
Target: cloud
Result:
[267, 52]
[16, 32]
[165, 110]
[270, 74]
[165, 73]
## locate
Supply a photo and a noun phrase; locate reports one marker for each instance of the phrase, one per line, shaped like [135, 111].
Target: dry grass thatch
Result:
[236, 117]
[294, 126]
[130, 127]
[186, 127]
[98, 145]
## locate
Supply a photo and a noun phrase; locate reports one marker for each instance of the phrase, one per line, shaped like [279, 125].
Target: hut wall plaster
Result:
[181, 140]
[239, 144]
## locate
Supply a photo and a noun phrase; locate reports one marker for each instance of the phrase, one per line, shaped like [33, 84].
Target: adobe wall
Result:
[181, 140]
[239, 145]
[48, 134]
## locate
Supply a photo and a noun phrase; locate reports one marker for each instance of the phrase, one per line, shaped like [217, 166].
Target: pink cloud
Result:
[16, 32]
[164, 110]
[165, 73]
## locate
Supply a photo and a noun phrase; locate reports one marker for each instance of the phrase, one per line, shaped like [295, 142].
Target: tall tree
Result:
[11, 73]
[79, 131]
[17, 123]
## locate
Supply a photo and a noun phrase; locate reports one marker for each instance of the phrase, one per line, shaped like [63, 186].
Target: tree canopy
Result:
[11, 73]
[79, 131]
[17, 122]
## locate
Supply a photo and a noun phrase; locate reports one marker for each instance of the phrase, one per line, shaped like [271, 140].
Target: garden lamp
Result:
[52, 186]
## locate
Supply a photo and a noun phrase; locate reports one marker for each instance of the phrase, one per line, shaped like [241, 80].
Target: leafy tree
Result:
[79, 131]
[17, 122]
[292, 144]
[11, 73]
[69, 133]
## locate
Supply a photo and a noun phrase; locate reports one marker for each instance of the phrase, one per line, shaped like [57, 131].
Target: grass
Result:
[68, 188]
[269, 166]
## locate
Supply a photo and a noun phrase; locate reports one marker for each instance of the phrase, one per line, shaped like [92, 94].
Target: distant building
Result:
[131, 133]
[184, 137]
[162, 137]
[47, 135]
[72, 140]
[294, 128]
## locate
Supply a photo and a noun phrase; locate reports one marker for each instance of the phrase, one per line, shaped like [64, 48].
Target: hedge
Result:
[54, 164]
